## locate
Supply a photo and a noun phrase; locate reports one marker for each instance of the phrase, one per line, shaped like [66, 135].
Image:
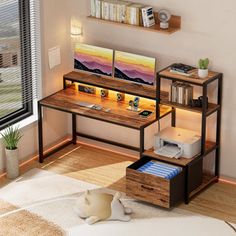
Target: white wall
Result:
[208, 30]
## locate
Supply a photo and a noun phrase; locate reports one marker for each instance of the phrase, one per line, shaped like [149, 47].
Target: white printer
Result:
[176, 142]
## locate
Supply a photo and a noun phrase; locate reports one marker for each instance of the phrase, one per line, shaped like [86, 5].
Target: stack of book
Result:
[123, 12]
[160, 169]
[181, 93]
[133, 14]
[182, 69]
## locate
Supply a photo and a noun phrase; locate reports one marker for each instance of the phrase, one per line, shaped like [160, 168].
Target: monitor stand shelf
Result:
[111, 83]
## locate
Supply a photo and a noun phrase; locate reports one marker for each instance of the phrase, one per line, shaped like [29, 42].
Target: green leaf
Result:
[11, 137]
[203, 63]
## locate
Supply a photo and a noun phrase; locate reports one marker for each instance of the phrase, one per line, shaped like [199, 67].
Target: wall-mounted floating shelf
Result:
[175, 24]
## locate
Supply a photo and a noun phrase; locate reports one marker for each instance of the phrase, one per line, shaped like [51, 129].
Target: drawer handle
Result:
[147, 188]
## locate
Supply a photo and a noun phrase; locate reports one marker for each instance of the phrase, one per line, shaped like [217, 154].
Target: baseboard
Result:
[228, 180]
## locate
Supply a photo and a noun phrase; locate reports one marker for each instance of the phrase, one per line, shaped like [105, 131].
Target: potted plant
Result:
[11, 136]
[203, 68]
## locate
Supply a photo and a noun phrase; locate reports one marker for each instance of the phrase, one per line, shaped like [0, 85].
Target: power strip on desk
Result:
[87, 89]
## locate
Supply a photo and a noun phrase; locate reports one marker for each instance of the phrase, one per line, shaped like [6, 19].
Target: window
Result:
[17, 89]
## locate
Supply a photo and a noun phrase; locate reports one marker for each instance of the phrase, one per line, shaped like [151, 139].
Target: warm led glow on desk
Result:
[113, 96]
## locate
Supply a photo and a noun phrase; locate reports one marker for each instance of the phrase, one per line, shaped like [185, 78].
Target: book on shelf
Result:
[93, 8]
[148, 16]
[105, 10]
[113, 11]
[180, 73]
[181, 69]
[98, 8]
[173, 92]
[188, 94]
[122, 11]
[133, 13]
[181, 93]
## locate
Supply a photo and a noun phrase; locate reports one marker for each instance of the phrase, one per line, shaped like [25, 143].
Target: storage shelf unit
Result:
[207, 179]
[210, 146]
[193, 79]
[207, 147]
[175, 24]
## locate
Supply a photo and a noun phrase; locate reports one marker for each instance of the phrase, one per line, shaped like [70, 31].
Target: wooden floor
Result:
[107, 169]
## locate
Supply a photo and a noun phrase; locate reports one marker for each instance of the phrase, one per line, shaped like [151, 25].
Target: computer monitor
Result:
[135, 68]
[93, 59]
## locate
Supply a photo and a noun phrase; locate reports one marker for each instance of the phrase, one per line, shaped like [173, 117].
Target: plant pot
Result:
[12, 163]
[202, 73]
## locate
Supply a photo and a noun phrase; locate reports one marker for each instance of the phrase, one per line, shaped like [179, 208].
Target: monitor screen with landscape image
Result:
[135, 68]
[93, 59]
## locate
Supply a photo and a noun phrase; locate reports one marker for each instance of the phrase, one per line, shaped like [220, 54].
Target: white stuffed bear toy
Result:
[96, 207]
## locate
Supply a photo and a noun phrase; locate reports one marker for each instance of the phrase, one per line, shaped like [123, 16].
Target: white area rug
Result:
[53, 197]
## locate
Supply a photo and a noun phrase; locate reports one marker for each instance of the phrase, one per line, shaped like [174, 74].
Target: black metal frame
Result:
[190, 178]
[26, 70]
[76, 134]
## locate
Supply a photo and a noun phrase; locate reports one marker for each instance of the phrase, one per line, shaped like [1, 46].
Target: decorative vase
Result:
[12, 163]
[202, 73]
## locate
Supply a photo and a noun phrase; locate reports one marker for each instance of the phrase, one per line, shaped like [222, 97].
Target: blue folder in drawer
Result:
[160, 169]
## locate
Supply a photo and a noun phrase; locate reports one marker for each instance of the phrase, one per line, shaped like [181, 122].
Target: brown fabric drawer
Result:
[154, 189]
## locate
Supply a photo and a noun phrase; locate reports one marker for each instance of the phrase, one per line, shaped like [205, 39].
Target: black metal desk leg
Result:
[204, 120]
[218, 129]
[74, 129]
[141, 141]
[187, 185]
[173, 117]
[40, 133]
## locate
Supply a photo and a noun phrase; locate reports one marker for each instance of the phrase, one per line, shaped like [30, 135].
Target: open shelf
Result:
[211, 106]
[207, 179]
[113, 84]
[193, 79]
[175, 24]
[210, 146]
